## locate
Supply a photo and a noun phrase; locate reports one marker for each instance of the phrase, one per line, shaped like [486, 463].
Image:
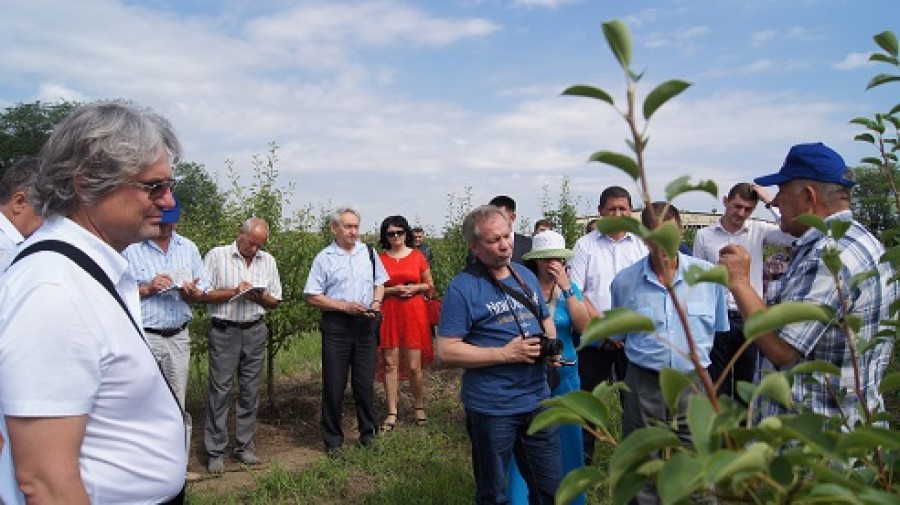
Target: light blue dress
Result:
[570, 437]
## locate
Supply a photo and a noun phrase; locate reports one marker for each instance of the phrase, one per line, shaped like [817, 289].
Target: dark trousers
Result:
[644, 406]
[596, 365]
[348, 346]
[498, 439]
[725, 346]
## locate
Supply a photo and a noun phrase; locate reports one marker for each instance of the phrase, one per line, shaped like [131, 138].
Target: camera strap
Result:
[525, 297]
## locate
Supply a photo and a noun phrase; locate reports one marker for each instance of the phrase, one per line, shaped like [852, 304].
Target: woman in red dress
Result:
[405, 332]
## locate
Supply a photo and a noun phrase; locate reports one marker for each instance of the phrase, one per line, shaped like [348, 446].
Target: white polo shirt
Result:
[753, 236]
[225, 268]
[67, 349]
[597, 259]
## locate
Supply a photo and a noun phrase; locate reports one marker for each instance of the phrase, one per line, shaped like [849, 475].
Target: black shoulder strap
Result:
[90, 266]
[81, 259]
[478, 269]
[372, 259]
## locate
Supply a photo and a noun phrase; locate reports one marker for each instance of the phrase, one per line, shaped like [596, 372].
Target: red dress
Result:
[405, 322]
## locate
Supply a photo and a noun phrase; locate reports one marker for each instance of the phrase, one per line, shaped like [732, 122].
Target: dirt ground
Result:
[288, 435]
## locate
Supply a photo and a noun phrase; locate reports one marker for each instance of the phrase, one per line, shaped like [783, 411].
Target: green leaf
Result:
[839, 228]
[615, 321]
[809, 428]
[682, 185]
[865, 137]
[783, 314]
[832, 494]
[662, 94]
[554, 417]
[627, 487]
[578, 481]
[620, 161]
[880, 79]
[871, 160]
[587, 406]
[588, 92]
[869, 437]
[680, 477]
[696, 274]
[700, 419]
[859, 278]
[667, 236]
[832, 260]
[672, 383]
[887, 41]
[883, 58]
[889, 383]
[813, 221]
[864, 121]
[611, 225]
[619, 41]
[635, 448]
[871, 496]
[817, 366]
[775, 386]
[854, 322]
[782, 470]
[725, 464]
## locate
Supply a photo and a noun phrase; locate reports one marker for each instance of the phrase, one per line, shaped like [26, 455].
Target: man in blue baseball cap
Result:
[815, 180]
[170, 275]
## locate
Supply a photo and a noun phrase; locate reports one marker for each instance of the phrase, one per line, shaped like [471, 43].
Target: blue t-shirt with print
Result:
[476, 310]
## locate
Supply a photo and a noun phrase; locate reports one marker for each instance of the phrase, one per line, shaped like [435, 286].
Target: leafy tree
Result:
[872, 203]
[25, 127]
[565, 216]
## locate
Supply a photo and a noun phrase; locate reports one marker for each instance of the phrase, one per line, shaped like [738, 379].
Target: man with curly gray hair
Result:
[89, 416]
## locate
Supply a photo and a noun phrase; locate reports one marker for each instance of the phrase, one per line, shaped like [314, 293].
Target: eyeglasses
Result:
[155, 189]
[398, 233]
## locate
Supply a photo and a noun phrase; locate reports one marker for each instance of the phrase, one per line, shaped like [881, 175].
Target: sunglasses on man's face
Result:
[155, 190]
[397, 233]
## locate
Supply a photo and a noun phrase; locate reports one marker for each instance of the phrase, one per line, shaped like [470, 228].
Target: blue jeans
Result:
[495, 440]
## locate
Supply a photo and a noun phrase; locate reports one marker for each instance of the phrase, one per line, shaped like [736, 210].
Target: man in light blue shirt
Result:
[346, 282]
[639, 288]
[169, 273]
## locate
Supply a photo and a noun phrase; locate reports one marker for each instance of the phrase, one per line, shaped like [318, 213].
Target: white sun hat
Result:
[548, 244]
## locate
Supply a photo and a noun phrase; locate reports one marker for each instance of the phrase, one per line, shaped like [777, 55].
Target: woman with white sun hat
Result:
[571, 315]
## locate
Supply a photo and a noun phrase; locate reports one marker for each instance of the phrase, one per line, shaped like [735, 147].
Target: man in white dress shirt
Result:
[736, 227]
[17, 217]
[598, 258]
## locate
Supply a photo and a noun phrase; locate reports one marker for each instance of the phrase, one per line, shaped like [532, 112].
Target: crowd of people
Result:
[92, 399]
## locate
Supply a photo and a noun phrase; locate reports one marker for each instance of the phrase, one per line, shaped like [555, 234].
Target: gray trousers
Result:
[233, 349]
[174, 356]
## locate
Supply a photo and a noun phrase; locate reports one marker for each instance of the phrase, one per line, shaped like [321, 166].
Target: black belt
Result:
[169, 332]
[735, 314]
[221, 324]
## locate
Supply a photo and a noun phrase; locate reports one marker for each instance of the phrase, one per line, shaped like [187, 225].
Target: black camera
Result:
[549, 346]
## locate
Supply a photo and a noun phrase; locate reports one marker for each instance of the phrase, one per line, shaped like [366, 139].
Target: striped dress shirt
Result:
[226, 268]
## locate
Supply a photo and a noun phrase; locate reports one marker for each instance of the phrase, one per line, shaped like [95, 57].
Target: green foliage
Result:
[25, 127]
[565, 216]
[799, 457]
[451, 250]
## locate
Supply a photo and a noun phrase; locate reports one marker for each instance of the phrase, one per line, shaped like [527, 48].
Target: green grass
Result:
[411, 465]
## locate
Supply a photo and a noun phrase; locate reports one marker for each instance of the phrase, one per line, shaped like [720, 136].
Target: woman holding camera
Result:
[571, 314]
[405, 343]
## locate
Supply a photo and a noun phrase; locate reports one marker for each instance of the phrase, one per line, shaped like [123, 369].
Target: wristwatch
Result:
[567, 292]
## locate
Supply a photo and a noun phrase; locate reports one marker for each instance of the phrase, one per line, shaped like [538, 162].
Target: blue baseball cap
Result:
[815, 162]
[172, 214]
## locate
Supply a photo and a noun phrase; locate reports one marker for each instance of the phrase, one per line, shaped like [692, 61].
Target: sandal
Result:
[423, 419]
[386, 426]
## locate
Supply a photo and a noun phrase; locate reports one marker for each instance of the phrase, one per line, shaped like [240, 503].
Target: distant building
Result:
[691, 220]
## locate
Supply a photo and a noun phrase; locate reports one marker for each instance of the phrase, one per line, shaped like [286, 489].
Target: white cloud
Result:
[760, 38]
[550, 4]
[853, 61]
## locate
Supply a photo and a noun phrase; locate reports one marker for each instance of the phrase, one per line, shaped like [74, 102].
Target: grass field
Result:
[411, 465]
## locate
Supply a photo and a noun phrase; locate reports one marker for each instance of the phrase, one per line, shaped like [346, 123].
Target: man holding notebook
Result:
[237, 337]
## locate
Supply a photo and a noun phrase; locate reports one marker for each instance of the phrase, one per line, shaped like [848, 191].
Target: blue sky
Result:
[391, 106]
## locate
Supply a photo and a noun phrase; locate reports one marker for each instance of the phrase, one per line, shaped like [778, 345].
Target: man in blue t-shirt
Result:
[491, 315]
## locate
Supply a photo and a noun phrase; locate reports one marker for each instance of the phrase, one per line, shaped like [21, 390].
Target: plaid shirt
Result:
[808, 279]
